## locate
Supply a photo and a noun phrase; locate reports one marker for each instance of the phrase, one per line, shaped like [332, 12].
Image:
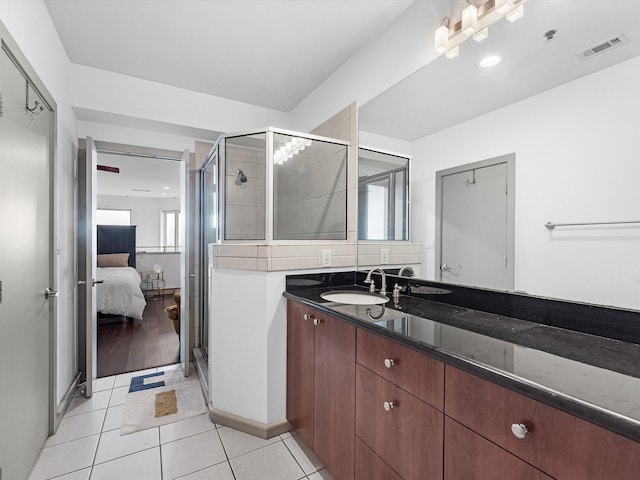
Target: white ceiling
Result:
[269, 53]
[446, 92]
[273, 53]
[139, 177]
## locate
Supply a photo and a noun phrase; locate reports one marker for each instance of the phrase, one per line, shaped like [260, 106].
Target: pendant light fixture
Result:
[474, 22]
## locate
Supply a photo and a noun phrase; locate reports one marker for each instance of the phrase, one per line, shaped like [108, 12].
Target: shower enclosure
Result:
[270, 186]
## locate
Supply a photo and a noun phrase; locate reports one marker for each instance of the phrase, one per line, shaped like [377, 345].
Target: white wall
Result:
[576, 160]
[135, 136]
[397, 52]
[146, 214]
[46, 55]
[247, 344]
[103, 91]
[388, 144]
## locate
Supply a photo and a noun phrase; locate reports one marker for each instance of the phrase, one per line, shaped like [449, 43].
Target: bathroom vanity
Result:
[435, 390]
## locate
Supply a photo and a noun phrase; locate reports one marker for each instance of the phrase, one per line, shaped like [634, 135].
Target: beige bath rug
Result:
[160, 398]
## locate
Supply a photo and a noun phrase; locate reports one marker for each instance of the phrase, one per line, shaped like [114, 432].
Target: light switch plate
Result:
[326, 258]
[384, 256]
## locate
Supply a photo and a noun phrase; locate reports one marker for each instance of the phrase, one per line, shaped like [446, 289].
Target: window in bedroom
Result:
[171, 238]
[107, 216]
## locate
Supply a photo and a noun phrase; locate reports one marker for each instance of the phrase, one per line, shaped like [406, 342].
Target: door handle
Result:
[49, 294]
[94, 282]
[445, 268]
[193, 275]
[81, 282]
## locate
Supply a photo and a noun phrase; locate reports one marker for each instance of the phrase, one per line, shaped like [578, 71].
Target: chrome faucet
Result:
[372, 288]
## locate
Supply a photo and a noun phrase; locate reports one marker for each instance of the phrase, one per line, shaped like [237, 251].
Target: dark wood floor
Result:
[125, 346]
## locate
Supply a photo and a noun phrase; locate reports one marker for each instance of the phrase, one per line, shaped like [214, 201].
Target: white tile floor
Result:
[88, 445]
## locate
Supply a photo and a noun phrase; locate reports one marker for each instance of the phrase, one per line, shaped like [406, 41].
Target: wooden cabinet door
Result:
[414, 372]
[369, 466]
[468, 456]
[334, 395]
[491, 410]
[407, 434]
[300, 364]
[593, 453]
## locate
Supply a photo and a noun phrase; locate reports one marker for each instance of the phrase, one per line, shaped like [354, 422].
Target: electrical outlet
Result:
[326, 258]
[384, 256]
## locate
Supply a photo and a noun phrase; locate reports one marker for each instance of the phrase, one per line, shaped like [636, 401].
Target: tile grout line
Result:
[225, 453]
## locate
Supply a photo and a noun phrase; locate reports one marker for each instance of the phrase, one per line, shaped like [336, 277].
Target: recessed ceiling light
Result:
[166, 188]
[490, 61]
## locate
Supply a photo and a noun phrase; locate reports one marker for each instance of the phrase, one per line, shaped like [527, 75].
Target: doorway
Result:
[140, 189]
[27, 265]
[475, 208]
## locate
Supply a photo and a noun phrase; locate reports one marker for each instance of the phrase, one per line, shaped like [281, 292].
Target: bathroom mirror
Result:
[383, 196]
[571, 124]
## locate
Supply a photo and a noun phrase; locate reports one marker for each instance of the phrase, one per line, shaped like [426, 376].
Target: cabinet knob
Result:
[520, 430]
[316, 322]
[306, 316]
[389, 362]
[388, 406]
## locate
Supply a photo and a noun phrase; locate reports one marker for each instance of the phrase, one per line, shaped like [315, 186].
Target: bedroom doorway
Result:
[140, 189]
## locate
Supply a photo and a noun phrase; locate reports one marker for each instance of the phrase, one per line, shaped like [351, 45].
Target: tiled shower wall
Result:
[245, 211]
[311, 194]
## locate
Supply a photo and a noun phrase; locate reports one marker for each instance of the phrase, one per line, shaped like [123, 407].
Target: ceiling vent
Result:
[603, 47]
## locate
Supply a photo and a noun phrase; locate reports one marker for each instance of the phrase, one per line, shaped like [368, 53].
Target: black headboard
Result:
[118, 239]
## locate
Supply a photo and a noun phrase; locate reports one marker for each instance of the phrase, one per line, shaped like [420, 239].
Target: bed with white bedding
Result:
[120, 292]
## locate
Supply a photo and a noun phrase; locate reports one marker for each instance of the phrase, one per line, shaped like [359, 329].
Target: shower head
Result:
[241, 176]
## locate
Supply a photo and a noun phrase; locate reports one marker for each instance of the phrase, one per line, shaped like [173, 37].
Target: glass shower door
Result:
[208, 225]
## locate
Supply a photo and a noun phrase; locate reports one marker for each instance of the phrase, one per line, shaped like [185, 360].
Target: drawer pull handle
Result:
[388, 406]
[389, 362]
[520, 430]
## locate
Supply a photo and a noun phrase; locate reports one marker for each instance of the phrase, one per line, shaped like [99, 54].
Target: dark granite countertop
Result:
[590, 376]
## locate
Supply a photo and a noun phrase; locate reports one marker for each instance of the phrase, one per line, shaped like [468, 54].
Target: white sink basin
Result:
[354, 297]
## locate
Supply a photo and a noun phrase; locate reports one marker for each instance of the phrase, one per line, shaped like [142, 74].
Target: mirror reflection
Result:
[383, 196]
[571, 126]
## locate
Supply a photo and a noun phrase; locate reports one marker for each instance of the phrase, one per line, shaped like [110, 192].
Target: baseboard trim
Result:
[252, 427]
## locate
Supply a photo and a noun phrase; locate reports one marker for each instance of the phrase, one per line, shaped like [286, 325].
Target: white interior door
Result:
[186, 276]
[26, 272]
[474, 241]
[87, 244]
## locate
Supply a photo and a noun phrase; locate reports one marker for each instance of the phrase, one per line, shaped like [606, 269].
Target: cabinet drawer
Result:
[491, 410]
[593, 453]
[416, 373]
[369, 466]
[408, 436]
[469, 456]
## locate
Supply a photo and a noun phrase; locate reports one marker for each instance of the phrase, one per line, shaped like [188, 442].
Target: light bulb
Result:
[469, 19]
[442, 38]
